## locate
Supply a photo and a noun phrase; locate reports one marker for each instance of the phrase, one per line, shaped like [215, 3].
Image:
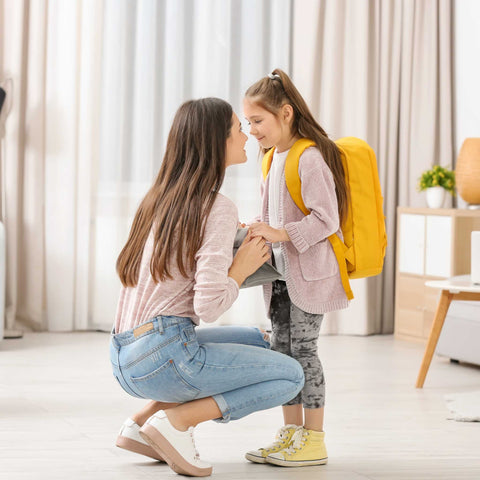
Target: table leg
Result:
[439, 319]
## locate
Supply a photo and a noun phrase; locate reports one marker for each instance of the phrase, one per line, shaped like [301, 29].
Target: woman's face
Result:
[236, 144]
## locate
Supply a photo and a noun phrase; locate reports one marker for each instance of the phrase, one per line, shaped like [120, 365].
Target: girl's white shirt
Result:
[277, 176]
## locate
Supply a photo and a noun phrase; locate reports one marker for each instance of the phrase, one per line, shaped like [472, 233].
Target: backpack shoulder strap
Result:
[339, 249]
[292, 178]
[267, 162]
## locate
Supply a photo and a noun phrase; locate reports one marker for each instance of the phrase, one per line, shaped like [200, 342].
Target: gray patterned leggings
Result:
[295, 333]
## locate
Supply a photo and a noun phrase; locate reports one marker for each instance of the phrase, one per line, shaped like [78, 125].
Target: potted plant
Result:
[435, 182]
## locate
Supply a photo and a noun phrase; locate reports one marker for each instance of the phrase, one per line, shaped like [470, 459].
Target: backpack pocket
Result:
[318, 262]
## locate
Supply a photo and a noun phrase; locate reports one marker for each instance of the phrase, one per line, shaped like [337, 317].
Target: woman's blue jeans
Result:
[169, 360]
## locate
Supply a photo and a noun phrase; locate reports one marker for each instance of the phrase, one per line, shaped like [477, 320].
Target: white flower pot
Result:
[435, 197]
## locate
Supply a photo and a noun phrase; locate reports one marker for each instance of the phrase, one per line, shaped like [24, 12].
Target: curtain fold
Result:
[379, 70]
[96, 85]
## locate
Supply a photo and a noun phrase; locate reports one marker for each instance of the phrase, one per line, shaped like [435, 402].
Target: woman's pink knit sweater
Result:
[205, 293]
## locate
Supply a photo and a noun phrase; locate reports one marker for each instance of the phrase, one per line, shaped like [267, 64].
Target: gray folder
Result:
[265, 274]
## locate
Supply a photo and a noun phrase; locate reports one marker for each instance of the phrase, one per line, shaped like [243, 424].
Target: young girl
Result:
[311, 283]
[176, 268]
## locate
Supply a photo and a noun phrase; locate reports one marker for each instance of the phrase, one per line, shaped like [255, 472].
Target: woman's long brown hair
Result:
[272, 94]
[178, 203]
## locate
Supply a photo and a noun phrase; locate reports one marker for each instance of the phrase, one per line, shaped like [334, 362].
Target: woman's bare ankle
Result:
[176, 420]
[152, 407]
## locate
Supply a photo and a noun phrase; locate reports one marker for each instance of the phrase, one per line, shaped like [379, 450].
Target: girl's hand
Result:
[270, 234]
[250, 256]
[241, 225]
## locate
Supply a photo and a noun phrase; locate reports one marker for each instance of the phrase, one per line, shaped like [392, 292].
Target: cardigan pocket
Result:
[318, 262]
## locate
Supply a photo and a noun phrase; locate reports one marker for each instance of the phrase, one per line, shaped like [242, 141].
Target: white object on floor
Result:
[465, 407]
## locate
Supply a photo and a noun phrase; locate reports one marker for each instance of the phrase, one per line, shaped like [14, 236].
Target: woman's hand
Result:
[270, 234]
[250, 256]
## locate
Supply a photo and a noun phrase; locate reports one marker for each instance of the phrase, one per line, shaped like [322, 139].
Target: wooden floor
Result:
[60, 410]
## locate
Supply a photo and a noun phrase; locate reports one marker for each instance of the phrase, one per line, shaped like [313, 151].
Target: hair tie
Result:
[273, 76]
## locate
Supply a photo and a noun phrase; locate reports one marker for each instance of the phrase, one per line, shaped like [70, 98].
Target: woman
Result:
[177, 268]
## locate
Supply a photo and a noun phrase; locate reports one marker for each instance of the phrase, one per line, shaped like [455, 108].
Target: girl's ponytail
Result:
[276, 90]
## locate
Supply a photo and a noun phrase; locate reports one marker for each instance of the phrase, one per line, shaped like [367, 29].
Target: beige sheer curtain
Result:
[95, 87]
[380, 70]
[50, 51]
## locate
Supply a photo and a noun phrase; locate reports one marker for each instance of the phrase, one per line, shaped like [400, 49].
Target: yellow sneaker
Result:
[307, 447]
[282, 440]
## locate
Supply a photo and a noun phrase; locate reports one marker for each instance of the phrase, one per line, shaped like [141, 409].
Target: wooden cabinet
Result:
[431, 244]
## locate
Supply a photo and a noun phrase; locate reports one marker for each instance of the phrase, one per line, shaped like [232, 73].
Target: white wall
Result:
[467, 124]
[467, 72]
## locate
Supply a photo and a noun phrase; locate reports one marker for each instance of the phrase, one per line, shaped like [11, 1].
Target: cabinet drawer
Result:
[409, 322]
[411, 293]
[410, 306]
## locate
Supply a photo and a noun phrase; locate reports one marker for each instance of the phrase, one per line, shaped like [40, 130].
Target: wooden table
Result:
[455, 288]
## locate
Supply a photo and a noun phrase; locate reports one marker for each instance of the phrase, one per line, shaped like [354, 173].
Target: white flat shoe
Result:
[129, 439]
[176, 447]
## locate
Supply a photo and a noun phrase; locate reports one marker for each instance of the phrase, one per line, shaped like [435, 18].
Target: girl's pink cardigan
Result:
[312, 274]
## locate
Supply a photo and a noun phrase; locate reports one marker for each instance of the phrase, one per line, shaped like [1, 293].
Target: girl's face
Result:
[236, 144]
[270, 130]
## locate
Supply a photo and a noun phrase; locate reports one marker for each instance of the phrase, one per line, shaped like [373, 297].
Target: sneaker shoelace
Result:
[197, 455]
[298, 441]
[280, 439]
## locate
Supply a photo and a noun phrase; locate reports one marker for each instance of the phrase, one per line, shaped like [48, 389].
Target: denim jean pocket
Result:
[189, 341]
[125, 387]
[165, 384]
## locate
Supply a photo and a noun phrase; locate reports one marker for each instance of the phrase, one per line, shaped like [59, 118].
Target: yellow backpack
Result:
[362, 251]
